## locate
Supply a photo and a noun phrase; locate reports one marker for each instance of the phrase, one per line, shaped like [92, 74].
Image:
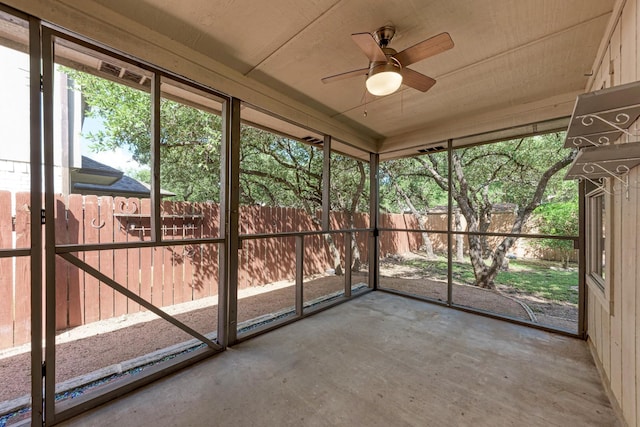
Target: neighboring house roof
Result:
[103, 180]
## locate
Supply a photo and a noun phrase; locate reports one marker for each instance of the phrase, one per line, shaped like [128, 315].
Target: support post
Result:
[156, 222]
[223, 271]
[374, 246]
[232, 218]
[449, 224]
[35, 51]
[347, 263]
[49, 242]
[326, 183]
[582, 259]
[299, 275]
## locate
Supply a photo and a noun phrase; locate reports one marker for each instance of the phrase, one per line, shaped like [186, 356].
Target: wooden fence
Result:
[167, 275]
[15, 301]
[163, 275]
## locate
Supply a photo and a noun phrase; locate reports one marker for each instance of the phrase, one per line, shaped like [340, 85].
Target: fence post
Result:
[62, 267]
[22, 277]
[6, 273]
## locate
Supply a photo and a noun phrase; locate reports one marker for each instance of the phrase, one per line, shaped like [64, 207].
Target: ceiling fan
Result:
[387, 68]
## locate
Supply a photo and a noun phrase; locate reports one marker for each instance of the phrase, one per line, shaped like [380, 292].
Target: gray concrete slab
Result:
[380, 360]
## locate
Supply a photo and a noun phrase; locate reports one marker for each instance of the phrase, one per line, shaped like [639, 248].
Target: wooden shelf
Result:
[601, 117]
[186, 216]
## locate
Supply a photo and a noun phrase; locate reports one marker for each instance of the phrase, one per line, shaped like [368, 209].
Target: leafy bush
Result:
[558, 219]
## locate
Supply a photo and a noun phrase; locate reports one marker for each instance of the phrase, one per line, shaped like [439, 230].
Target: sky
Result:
[118, 158]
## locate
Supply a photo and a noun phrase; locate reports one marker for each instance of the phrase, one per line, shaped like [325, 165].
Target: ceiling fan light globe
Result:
[384, 82]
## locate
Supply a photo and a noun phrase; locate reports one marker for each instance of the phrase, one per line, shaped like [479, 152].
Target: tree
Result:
[349, 179]
[278, 171]
[517, 172]
[405, 186]
[558, 219]
[189, 137]
[275, 170]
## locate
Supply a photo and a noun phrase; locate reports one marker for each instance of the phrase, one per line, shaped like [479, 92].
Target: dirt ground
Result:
[396, 274]
[93, 347]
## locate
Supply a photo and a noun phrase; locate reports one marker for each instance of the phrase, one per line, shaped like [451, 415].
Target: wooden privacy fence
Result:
[163, 275]
[169, 275]
[15, 277]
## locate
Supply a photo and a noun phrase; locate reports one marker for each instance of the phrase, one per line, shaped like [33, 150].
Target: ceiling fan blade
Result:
[425, 49]
[348, 74]
[416, 80]
[369, 46]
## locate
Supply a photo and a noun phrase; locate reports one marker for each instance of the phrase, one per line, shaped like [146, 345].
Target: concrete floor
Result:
[380, 360]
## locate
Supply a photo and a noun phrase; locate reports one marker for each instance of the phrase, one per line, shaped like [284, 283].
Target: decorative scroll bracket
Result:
[599, 184]
[590, 168]
[620, 122]
[620, 174]
[605, 113]
[578, 141]
[608, 162]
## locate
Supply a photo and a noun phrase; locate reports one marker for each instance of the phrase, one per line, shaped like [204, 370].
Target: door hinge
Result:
[41, 83]
[43, 216]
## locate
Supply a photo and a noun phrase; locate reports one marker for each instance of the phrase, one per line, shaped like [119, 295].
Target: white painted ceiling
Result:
[514, 61]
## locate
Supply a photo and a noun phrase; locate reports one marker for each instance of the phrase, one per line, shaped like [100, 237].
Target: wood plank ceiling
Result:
[514, 62]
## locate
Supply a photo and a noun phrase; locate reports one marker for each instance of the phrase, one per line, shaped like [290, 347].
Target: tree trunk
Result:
[355, 254]
[333, 250]
[459, 248]
[484, 274]
[337, 266]
[485, 210]
[427, 245]
[486, 279]
[355, 200]
[464, 195]
[459, 237]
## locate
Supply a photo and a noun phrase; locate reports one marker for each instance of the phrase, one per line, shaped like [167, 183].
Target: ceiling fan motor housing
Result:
[383, 35]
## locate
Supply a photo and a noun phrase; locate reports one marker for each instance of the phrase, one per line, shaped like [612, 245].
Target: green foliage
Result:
[349, 184]
[437, 269]
[497, 173]
[190, 141]
[521, 173]
[540, 279]
[190, 138]
[558, 219]
[510, 171]
[279, 171]
[275, 170]
[407, 177]
[126, 114]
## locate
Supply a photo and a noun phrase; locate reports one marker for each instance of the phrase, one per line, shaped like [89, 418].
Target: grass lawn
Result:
[534, 277]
